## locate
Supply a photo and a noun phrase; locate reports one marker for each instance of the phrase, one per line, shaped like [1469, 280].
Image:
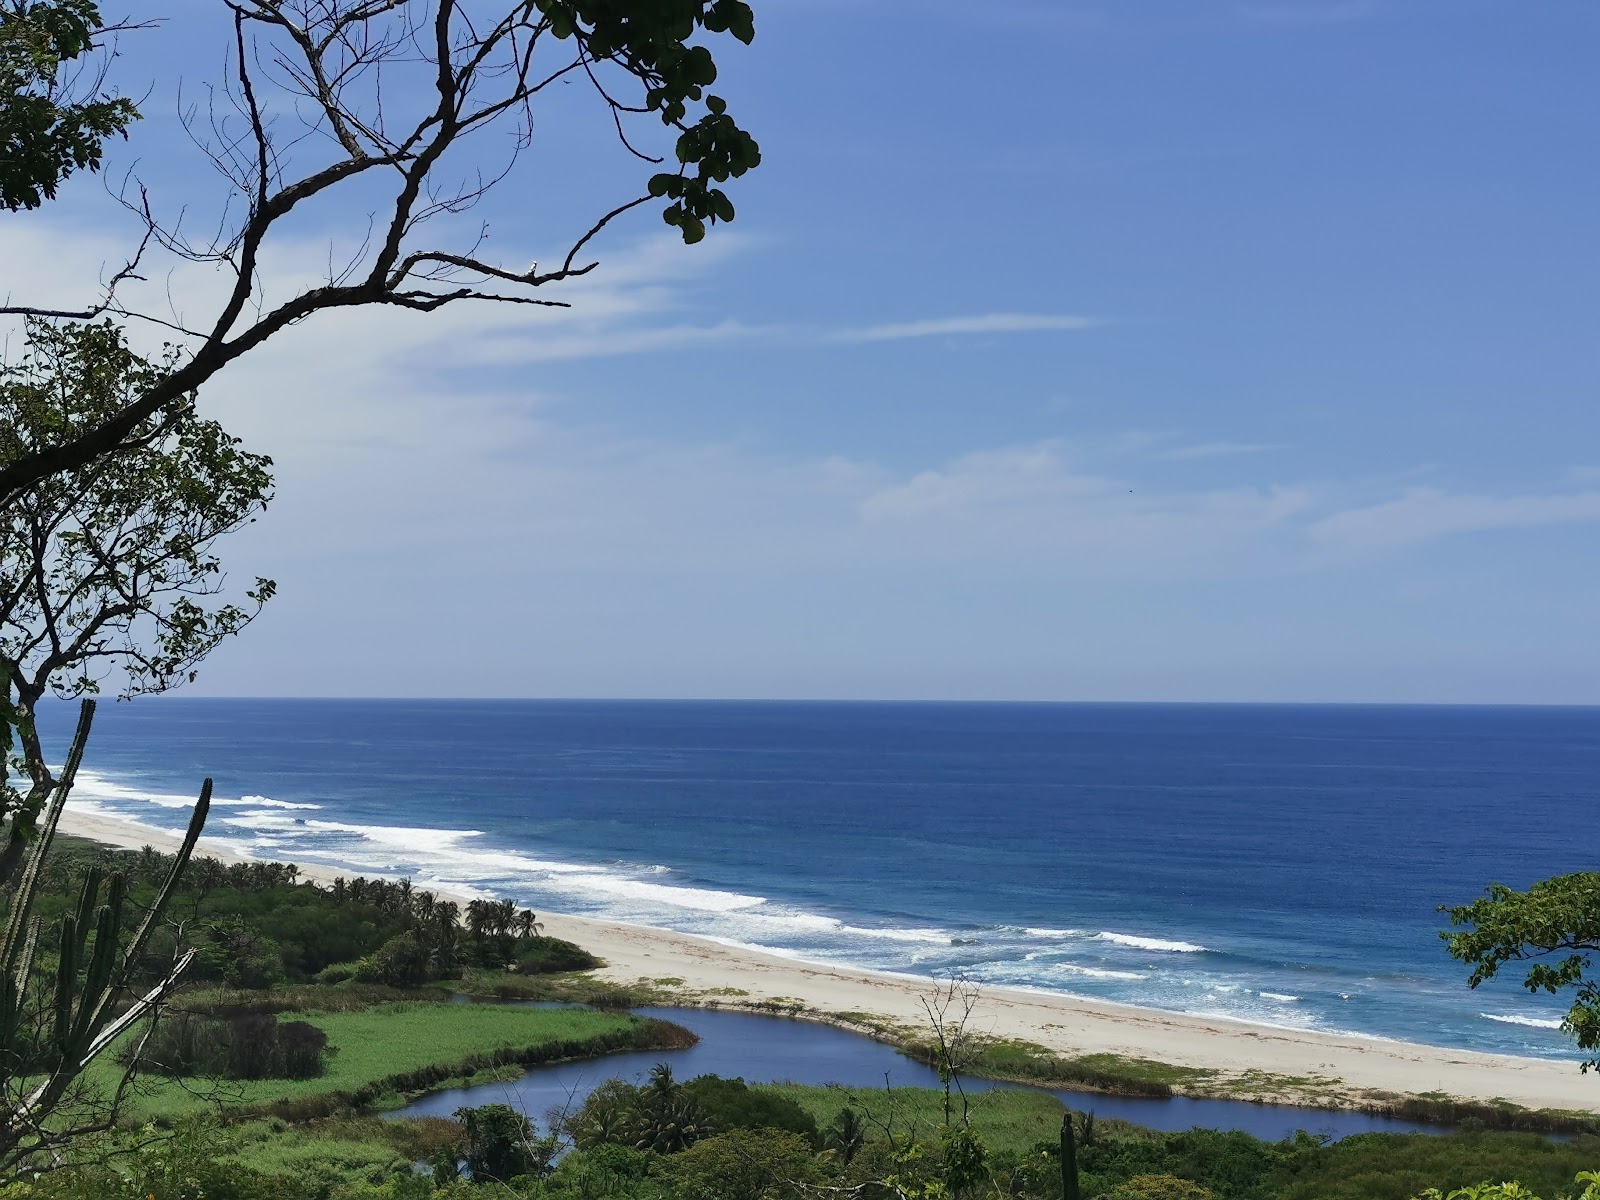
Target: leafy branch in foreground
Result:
[108, 574]
[377, 98]
[45, 132]
[1556, 918]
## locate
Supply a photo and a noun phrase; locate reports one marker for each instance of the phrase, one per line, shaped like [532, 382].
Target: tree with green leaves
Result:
[55, 110]
[388, 98]
[501, 1144]
[109, 575]
[1557, 921]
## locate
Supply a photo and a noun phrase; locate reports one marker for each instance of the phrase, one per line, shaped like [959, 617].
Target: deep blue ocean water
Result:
[1273, 864]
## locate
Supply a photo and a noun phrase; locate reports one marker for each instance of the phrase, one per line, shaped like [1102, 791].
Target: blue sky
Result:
[1207, 350]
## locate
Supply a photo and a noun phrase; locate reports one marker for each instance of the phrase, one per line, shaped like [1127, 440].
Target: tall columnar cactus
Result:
[1069, 1159]
[84, 1006]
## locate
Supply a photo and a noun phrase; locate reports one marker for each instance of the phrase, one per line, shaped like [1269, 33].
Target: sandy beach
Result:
[1254, 1060]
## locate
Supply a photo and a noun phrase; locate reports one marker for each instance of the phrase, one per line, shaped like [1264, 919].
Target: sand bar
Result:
[1347, 1070]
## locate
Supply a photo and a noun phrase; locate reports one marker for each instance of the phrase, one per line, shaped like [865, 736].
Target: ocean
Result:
[1281, 865]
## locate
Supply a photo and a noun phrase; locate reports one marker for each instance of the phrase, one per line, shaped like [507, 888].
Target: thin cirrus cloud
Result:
[1214, 450]
[1423, 514]
[607, 339]
[974, 324]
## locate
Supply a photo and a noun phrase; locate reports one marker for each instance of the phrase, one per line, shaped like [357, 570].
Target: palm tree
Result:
[480, 918]
[846, 1135]
[667, 1120]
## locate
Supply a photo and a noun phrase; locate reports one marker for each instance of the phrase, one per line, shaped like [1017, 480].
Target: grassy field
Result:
[1005, 1119]
[378, 1043]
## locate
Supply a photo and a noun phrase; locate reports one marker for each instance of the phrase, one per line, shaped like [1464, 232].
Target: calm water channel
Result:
[763, 1049]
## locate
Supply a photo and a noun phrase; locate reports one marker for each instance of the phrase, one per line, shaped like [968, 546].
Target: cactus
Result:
[1069, 1160]
[84, 1000]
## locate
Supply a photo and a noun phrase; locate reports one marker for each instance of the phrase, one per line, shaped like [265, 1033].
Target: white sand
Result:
[1343, 1069]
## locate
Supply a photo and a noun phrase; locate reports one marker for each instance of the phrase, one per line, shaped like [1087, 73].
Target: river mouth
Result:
[770, 1049]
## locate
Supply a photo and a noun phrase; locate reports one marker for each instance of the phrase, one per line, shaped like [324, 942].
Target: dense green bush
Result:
[401, 962]
[745, 1164]
[1158, 1187]
[249, 1046]
[730, 1104]
[548, 955]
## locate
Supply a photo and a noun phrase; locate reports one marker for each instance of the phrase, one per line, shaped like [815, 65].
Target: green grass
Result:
[305, 1156]
[377, 1043]
[1006, 1119]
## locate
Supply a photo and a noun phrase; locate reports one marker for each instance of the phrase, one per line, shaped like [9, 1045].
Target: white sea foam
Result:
[1280, 997]
[1100, 972]
[1146, 943]
[268, 802]
[1516, 1019]
[90, 786]
[933, 936]
[1051, 933]
[621, 887]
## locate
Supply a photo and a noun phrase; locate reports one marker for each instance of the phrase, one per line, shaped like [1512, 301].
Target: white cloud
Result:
[1424, 514]
[976, 324]
[1214, 450]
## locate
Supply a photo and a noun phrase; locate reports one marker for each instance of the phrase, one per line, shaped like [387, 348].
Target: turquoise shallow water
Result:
[1279, 865]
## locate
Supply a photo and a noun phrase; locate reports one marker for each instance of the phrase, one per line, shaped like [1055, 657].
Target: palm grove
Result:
[115, 489]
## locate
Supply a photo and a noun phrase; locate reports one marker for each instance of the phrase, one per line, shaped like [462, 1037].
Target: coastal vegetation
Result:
[195, 1126]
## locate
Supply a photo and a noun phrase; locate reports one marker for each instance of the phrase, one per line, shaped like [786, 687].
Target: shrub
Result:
[548, 955]
[729, 1104]
[400, 962]
[500, 1144]
[250, 1046]
[745, 1164]
[1158, 1187]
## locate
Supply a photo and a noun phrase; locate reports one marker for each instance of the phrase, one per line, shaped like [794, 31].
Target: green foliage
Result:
[745, 1164]
[402, 962]
[126, 574]
[394, 1041]
[655, 41]
[1513, 1191]
[604, 1171]
[547, 955]
[965, 1157]
[664, 1118]
[187, 1164]
[45, 135]
[1010, 1121]
[1558, 918]
[250, 1046]
[1388, 1166]
[56, 1024]
[846, 1135]
[1158, 1187]
[729, 1104]
[501, 1144]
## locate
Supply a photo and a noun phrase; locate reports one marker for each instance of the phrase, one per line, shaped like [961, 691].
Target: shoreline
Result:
[1237, 1060]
